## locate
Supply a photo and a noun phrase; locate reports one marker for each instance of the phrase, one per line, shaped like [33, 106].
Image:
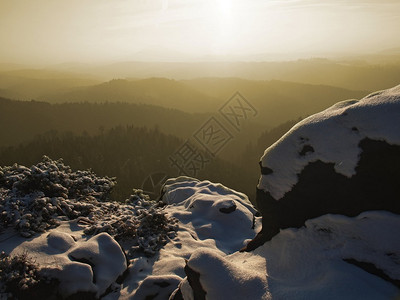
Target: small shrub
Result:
[141, 221]
[20, 278]
[32, 199]
[36, 199]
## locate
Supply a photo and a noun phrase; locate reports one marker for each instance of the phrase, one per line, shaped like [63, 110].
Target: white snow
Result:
[195, 204]
[225, 279]
[160, 287]
[334, 135]
[80, 264]
[198, 204]
[305, 263]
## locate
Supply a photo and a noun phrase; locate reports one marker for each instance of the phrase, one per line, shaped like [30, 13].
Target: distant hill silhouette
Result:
[373, 72]
[155, 91]
[20, 121]
[28, 84]
[276, 101]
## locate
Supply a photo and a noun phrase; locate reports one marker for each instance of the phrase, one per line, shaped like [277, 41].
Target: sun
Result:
[224, 7]
[224, 25]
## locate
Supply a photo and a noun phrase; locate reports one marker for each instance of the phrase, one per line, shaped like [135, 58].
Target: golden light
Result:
[223, 14]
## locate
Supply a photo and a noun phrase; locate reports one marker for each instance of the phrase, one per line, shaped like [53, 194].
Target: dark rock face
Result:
[320, 190]
[372, 269]
[194, 280]
[265, 170]
[306, 149]
[159, 287]
[228, 210]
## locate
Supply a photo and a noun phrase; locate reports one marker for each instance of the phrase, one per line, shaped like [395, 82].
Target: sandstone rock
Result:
[344, 160]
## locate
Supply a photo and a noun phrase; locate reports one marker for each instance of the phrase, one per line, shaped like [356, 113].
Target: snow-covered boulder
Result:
[157, 287]
[332, 257]
[344, 160]
[211, 208]
[209, 216]
[212, 276]
[79, 265]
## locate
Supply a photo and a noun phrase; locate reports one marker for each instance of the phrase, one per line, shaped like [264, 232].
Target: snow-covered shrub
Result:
[54, 179]
[140, 220]
[36, 198]
[20, 278]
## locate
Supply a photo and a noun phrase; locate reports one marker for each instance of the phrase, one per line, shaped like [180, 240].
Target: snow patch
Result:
[225, 279]
[84, 265]
[334, 135]
[201, 225]
[307, 263]
[210, 209]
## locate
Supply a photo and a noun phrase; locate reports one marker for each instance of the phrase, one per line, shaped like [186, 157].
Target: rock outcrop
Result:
[344, 160]
[211, 275]
[79, 265]
[332, 256]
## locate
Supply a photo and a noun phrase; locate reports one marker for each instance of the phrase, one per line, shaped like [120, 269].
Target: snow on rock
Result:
[105, 256]
[210, 209]
[60, 240]
[221, 278]
[332, 136]
[210, 216]
[158, 237]
[332, 257]
[307, 263]
[157, 287]
[343, 160]
[35, 199]
[80, 265]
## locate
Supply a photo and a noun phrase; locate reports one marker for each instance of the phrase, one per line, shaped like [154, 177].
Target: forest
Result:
[137, 129]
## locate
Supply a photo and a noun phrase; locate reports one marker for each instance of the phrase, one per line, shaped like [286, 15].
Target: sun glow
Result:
[191, 29]
[224, 16]
[224, 7]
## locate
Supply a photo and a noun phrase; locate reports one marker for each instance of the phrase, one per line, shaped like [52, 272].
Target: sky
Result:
[58, 31]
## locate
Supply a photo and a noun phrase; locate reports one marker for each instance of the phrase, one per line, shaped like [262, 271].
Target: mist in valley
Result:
[130, 122]
[124, 88]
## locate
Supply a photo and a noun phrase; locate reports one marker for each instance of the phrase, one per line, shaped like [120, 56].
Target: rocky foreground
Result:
[328, 193]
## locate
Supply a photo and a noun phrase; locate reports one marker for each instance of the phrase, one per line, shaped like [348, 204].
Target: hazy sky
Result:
[56, 31]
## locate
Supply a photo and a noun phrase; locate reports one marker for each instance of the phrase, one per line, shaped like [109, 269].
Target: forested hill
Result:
[131, 154]
[20, 121]
[155, 91]
[355, 73]
[276, 101]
